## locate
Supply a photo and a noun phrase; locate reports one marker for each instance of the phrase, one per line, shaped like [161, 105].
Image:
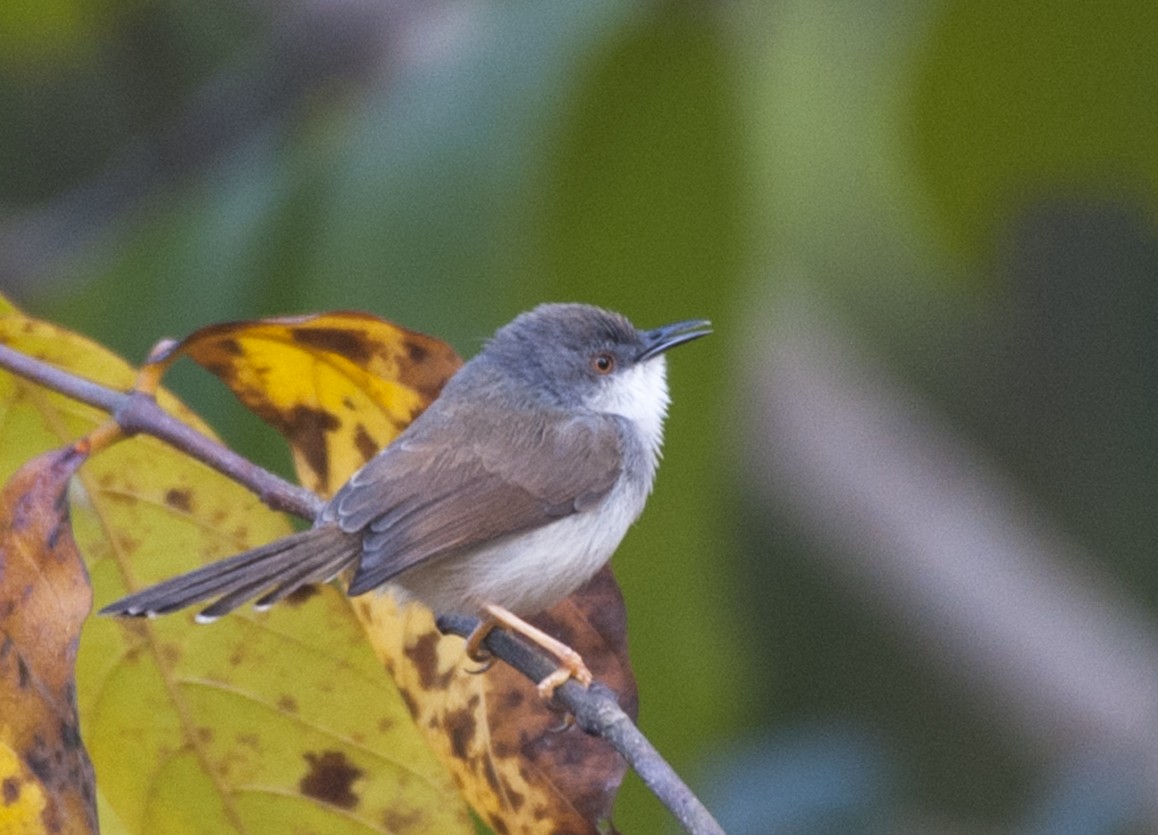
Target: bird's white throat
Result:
[639, 394]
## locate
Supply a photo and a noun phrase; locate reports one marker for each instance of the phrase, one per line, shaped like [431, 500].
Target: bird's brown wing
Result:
[432, 494]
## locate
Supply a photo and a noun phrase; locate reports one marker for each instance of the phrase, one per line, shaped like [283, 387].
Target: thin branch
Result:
[49, 376]
[596, 709]
[597, 712]
[137, 412]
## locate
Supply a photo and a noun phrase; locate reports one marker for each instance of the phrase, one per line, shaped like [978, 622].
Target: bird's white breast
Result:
[533, 571]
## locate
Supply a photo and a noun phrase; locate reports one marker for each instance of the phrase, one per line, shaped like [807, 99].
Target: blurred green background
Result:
[899, 571]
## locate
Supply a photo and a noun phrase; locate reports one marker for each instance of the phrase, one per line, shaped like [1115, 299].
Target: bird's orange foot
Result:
[570, 662]
[570, 666]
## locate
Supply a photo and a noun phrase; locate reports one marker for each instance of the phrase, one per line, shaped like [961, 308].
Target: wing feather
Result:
[428, 496]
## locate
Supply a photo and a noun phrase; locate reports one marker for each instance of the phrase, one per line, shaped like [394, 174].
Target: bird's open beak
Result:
[661, 339]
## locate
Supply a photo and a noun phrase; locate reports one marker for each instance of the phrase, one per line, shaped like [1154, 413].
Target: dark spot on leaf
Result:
[330, 779]
[398, 822]
[517, 800]
[491, 775]
[366, 445]
[424, 656]
[179, 499]
[70, 735]
[10, 790]
[431, 363]
[60, 504]
[301, 594]
[460, 726]
[287, 704]
[230, 346]
[38, 760]
[499, 825]
[411, 704]
[415, 352]
[23, 676]
[513, 699]
[54, 536]
[225, 371]
[306, 428]
[350, 344]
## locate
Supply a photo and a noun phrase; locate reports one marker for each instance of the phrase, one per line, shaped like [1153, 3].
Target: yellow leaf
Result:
[339, 386]
[354, 382]
[259, 723]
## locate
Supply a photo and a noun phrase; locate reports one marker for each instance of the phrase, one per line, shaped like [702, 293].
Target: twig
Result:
[595, 709]
[137, 412]
[598, 713]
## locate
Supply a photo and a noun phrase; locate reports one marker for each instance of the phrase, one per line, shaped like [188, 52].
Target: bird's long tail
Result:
[268, 573]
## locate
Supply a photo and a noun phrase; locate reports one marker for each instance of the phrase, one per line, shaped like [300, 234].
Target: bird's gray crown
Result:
[577, 328]
[551, 348]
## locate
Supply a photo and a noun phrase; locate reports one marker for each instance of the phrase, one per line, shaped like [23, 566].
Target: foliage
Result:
[278, 721]
[962, 190]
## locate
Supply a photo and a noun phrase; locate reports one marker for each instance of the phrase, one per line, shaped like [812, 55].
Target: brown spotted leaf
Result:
[502, 743]
[339, 386]
[46, 779]
[491, 731]
[260, 723]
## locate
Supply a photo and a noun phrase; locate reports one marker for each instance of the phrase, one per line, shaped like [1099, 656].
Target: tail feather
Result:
[324, 571]
[286, 564]
[232, 599]
[313, 572]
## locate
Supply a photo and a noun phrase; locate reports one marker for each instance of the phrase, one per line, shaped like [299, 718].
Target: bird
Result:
[509, 492]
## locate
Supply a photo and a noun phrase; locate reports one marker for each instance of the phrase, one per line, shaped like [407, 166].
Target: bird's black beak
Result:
[661, 339]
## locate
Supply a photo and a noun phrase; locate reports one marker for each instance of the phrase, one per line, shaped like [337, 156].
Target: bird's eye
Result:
[603, 363]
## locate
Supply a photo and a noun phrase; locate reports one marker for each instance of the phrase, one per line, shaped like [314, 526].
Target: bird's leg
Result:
[570, 662]
[474, 648]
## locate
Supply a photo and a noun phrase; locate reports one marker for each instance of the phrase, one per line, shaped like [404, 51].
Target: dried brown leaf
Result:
[46, 779]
